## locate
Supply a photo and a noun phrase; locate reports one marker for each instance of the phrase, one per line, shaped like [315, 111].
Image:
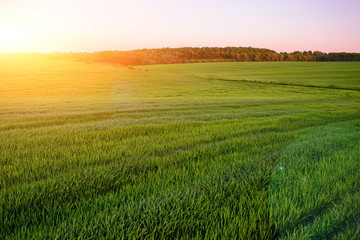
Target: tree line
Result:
[204, 54]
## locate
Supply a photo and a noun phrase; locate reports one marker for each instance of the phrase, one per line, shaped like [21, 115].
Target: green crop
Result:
[91, 151]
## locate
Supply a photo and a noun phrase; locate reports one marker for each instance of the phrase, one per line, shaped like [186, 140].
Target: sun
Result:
[14, 38]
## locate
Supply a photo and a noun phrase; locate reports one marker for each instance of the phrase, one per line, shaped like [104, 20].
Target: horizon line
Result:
[159, 48]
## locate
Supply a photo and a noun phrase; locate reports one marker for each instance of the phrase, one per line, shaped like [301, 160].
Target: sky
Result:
[89, 25]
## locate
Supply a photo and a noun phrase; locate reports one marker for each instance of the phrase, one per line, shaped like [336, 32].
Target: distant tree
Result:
[206, 54]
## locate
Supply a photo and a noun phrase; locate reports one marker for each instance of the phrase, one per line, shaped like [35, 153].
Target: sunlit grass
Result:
[90, 150]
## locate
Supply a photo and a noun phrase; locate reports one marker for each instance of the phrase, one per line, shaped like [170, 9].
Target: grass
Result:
[97, 151]
[314, 191]
[327, 74]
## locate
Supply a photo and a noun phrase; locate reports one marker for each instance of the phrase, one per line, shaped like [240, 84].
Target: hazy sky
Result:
[89, 25]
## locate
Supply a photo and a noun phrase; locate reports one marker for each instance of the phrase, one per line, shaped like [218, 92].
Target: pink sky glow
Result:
[88, 25]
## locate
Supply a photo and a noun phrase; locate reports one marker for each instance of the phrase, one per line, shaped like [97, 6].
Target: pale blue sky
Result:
[80, 25]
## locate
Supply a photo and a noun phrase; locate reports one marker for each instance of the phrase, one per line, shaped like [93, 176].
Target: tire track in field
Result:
[279, 83]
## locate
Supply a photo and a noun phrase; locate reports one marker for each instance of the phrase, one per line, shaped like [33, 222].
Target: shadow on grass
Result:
[314, 189]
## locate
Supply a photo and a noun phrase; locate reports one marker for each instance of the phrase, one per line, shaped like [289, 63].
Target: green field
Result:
[208, 150]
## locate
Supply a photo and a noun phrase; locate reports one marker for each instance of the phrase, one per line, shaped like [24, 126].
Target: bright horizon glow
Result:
[13, 38]
[281, 25]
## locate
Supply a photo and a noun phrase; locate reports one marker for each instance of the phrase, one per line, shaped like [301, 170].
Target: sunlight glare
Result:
[13, 38]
